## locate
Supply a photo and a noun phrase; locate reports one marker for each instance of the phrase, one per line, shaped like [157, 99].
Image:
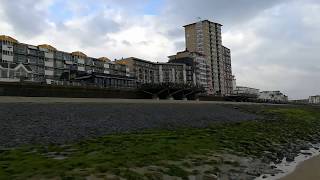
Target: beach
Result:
[307, 170]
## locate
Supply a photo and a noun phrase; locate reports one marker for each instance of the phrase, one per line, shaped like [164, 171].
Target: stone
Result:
[290, 158]
[210, 177]
[307, 153]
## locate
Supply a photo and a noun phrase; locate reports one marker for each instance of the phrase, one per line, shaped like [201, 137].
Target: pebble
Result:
[60, 123]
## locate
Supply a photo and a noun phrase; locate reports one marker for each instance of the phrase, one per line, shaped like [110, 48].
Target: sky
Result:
[275, 44]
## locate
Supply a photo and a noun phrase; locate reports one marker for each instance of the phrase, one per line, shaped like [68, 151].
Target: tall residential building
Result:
[205, 37]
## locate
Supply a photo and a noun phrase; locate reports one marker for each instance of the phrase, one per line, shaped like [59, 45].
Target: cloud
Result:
[27, 18]
[274, 43]
[276, 50]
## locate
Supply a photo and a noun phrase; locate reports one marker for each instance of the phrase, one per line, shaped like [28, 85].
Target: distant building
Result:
[150, 72]
[241, 90]
[234, 83]
[205, 37]
[314, 99]
[273, 96]
[299, 101]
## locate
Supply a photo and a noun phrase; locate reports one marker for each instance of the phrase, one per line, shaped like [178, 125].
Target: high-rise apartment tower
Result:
[205, 37]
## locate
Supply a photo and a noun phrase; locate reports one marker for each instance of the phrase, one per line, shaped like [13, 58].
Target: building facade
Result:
[150, 72]
[197, 69]
[241, 90]
[314, 99]
[226, 72]
[49, 65]
[205, 37]
[10, 72]
[273, 96]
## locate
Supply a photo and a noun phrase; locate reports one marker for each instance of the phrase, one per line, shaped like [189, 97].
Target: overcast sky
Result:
[275, 44]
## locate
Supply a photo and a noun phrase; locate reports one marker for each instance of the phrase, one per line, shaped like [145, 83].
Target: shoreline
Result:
[300, 168]
[309, 169]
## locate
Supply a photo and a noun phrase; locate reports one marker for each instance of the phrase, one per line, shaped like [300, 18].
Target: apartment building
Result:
[197, 69]
[205, 37]
[49, 65]
[172, 73]
[273, 96]
[242, 90]
[314, 99]
[150, 72]
[226, 72]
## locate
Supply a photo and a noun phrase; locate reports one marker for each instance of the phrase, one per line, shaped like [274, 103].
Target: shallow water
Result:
[289, 167]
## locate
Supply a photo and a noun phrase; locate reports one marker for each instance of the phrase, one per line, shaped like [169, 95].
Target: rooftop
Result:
[8, 38]
[203, 21]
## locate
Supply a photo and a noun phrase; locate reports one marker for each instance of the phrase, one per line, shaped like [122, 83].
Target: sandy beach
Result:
[308, 170]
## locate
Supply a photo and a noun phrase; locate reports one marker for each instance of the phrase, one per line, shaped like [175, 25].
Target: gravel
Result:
[59, 123]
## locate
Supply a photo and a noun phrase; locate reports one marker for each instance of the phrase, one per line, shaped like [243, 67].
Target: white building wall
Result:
[48, 55]
[276, 96]
[7, 58]
[160, 74]
[48, 72]
[7, 47]
[48, 63]
[80, 68]
[314, 99]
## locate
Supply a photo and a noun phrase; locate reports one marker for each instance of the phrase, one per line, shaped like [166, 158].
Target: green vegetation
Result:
[116, 154]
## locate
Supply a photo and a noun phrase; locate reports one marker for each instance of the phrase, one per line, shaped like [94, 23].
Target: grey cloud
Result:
[226, 11]
[180, 45]
[286, 43]
[93, 30]
[127, 43]
[24, 17]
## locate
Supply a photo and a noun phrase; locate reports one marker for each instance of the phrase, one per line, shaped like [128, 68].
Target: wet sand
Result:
[308, 170]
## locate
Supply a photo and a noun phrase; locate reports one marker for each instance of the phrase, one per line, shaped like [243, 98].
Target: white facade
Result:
[314, 99]
[49, 63]
[273, 96]
[14, 73]
[8, 58]
[81, 68]
[241, 90]
[234, 83]
[48, 72]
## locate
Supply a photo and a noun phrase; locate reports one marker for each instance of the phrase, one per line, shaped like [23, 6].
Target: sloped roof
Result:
[104, 59]
[78, 53]
[14, 65]
[8, 38]
[47, 46]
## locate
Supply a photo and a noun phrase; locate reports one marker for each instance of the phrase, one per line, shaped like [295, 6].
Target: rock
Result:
[273, 167]
[210, 177]
[290, 158]
[304, 147]
[307, 153]
[254, 172]
[264, 176]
